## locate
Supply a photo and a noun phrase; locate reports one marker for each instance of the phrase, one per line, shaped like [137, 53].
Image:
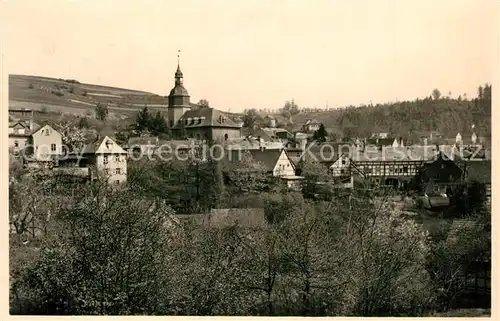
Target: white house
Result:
[340, 168]
[109, 159]
[284, 166]
[45, 144]
[398, 142]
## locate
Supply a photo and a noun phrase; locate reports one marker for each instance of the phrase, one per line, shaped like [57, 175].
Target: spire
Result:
[178, 73]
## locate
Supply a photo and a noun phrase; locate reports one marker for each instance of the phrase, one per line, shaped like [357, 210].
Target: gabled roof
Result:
[23, 124]
[312, 121]
[37, 127]
[267, 158]
[99, 147]
[207, 117]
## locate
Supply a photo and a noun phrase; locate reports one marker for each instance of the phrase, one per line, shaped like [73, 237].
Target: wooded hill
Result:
[448, 116]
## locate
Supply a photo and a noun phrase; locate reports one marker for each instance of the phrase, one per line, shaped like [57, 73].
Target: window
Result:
[117, 158]
[106, 171]
[118, 171]
[105, 159]
[16, 144]
[405, 169]
[343, 162]
[47, 132]
[53, 147]
[117, 182]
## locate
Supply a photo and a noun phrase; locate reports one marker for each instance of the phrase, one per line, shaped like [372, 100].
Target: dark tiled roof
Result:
[25, 124]
[380, 141]
[207, 117]
[143, 140]
[267, 158]
[479, 170]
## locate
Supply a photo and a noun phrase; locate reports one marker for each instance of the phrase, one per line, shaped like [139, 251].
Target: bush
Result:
[57, 93]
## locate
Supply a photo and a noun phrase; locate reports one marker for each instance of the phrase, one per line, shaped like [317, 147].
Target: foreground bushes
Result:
[112, 253]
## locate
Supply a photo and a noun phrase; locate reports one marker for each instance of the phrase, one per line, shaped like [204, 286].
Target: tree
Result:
[249, 175]
[101, 111]
[143, 120]
[158, 125]
[107, 257]
[321, 134]
[181, 132]
[250, 118]
[203, 103]
[75, 138]
[83, 123]
[291, 107]
[436, 94]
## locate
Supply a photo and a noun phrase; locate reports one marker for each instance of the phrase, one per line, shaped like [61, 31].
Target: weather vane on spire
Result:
[178, 55]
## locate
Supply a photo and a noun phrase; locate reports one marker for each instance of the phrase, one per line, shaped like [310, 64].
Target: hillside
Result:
[408, 119]
[73, 97]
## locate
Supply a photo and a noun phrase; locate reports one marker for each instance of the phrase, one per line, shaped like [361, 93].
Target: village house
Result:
[275, 162]
[44, 144]
[107, 159]
[440, 175]
[311, 125]
[19, 133]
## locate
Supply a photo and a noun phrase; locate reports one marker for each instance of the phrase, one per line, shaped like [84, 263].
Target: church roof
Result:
[206, 117]
[179, 90]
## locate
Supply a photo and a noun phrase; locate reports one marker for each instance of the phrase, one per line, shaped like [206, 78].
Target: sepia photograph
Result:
[249, 158]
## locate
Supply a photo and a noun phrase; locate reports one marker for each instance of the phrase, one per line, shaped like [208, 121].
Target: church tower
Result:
[178, 99]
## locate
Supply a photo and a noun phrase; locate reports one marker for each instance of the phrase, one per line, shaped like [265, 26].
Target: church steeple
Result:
[178, 73]
[178, 99]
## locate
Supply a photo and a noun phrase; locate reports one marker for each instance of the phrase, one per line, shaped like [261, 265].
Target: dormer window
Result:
[189, 121]
[195, 120]
[185, 122]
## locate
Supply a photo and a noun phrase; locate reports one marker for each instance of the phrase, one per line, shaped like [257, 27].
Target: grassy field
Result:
[61, 95]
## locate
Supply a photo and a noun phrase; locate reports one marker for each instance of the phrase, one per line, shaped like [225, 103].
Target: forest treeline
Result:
[409, 119]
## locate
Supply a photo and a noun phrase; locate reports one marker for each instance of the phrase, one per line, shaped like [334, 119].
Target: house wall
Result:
[284, 166]
[340, 167]
[219, 133]
[47, 143]
[389, 169]
[22, 141]
[108, 164]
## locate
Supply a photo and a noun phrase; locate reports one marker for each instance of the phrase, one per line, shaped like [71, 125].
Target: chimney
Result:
[425, 141]
[31, 124]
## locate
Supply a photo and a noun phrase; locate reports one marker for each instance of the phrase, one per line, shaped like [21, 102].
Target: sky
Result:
[259, 53]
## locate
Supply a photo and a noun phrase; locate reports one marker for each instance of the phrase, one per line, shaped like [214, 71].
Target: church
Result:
[197, 122]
